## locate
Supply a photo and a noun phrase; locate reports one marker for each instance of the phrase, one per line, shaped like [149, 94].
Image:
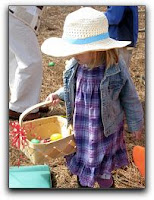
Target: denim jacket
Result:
[118, 96]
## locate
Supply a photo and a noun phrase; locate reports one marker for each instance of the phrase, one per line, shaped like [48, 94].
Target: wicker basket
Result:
[45, 127]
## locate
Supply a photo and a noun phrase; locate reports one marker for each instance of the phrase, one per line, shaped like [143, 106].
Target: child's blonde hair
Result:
[108, 58]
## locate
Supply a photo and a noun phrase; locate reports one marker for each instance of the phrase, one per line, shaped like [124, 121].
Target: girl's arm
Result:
[60, 93]
[131, 104]
[56, 96]
[137, 134]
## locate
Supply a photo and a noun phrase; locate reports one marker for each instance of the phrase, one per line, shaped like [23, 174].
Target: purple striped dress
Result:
[96, 154]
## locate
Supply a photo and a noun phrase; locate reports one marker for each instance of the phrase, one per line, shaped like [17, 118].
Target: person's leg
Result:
[28, 75]
[126, 54]
[12, 68]
[81, 186]
[105, 183]
[129, 50]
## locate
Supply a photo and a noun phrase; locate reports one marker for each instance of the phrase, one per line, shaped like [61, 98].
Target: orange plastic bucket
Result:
[139, 158]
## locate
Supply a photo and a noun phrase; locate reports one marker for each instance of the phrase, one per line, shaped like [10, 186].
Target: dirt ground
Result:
[51, 25]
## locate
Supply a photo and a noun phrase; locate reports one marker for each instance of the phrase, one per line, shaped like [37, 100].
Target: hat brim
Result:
[57, 47]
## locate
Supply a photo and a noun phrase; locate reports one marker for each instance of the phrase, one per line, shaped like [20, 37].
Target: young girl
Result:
[98, 91]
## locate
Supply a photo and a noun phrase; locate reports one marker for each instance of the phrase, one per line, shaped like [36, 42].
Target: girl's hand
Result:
[54, 98]
[137, 134]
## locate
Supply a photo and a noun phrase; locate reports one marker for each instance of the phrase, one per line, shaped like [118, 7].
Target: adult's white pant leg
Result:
[28, 75]
[12, 68]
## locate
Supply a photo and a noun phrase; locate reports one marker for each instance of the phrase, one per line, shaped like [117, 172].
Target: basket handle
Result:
[28, 110]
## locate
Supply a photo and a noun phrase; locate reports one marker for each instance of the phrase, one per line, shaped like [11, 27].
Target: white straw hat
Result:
[84, 30]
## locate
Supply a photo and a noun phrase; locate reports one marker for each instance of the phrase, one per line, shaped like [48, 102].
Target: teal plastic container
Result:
[37, 176]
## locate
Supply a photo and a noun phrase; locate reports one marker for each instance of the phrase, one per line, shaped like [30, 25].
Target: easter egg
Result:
[55, 136]
[45, 140]
[51, 64]
[35, 141]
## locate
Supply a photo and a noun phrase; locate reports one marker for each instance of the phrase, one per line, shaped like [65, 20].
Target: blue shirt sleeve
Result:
[114, 14]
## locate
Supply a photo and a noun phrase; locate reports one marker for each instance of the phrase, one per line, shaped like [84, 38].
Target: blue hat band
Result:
[88, 40]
